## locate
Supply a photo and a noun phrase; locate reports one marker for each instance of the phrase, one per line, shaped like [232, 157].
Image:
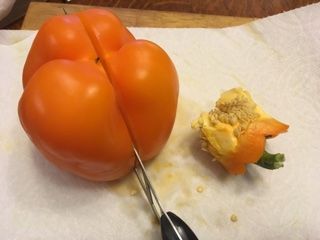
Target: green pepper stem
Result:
[271, 161]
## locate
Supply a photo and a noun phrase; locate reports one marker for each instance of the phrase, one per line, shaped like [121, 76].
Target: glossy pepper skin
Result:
[92, 91]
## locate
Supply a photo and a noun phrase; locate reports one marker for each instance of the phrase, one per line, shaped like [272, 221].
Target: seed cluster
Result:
[238, 112]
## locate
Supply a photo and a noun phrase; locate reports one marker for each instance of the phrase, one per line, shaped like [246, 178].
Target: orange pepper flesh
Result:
[252, 144]
[92, 91]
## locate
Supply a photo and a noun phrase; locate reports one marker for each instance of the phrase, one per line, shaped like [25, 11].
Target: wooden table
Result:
[134, 14]
[239, 8]
[38, 12]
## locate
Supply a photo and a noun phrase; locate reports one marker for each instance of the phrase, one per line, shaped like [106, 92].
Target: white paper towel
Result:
[277, 59]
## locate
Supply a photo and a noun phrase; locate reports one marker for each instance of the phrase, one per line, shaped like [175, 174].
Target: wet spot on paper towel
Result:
[183, 203]
[201, 221]
[6, 145]
[153, 233]
[168, 181]
[154, 220]
[219, 218]
[250, 201]
[21, 51]
[133, 192]
[162, 165]
[182, 134]
[133, 206]
[127, 186]
[174, 169]
[184, 141]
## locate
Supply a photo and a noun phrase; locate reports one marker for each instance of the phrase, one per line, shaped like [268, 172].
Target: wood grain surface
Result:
[240, 8]
[38, 12]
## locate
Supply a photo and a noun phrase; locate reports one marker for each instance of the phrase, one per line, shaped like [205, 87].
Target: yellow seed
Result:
[236, 132]
[234, 218]
[223, 118]
[233, 120]
[199, 189]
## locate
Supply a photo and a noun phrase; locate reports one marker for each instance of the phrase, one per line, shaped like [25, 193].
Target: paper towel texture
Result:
[277, 59]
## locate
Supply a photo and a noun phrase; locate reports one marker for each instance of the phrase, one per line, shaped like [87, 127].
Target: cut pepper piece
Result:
[235, 131]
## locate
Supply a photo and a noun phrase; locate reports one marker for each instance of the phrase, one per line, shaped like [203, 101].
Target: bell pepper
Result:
[92, 92]
[235, 132]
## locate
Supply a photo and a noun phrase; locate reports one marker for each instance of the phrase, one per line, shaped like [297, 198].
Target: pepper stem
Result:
[271, 161]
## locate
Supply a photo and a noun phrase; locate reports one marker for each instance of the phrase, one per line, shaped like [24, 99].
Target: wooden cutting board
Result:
[38, 12]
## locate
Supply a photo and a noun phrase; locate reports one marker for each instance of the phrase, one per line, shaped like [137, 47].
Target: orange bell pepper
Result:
[235, 132]
[92, 91]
